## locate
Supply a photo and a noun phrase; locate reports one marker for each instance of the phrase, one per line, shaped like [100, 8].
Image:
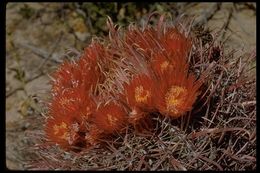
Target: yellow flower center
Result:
[57, 128]
[61, 128]
[141, 95]
[65, 101]
[174, 98]
[164, 65]
[111, 119]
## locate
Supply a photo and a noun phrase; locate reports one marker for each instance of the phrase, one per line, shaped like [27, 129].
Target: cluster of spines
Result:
[144, 71]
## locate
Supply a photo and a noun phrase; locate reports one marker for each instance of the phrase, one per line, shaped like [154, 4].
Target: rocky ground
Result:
[38, 35]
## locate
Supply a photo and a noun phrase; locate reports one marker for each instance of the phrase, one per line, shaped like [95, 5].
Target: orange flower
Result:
[173, 54]
[67, 76]
[73, 75]
[176, 88]
[74, 103]
[84, 71]
[174, 41]
[161, 63]
[139, 95]
[177, 48]
[139, 92]
[62, 131]
[151, 40]
[110, 118]
[178, 92]
[70, 116]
